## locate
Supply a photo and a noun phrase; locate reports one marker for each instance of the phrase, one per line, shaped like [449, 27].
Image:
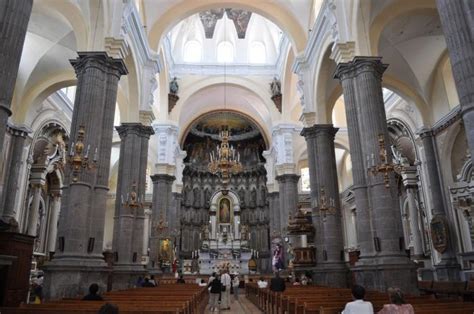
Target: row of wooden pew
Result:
[324, 300]
[464, 289]
[164, 299]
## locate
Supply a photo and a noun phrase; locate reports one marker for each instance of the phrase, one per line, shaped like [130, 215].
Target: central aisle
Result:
[243, 306]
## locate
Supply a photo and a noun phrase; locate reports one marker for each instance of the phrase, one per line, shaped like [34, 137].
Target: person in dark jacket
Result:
[277, 284]
[147, 283]
[215, 288]
[93, 296]
[181, 279]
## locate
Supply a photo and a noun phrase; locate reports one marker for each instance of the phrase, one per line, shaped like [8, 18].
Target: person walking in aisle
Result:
[226, 283]
[235, 287]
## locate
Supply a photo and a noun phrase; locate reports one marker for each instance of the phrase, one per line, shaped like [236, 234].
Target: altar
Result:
[224, 241]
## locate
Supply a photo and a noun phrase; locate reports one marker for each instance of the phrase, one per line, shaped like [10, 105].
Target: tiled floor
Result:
[243, 306]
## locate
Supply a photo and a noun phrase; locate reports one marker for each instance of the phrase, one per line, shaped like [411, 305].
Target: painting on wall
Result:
[224, 211]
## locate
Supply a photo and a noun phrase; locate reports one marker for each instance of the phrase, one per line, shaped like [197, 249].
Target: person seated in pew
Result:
[277, 284]
[181, 279]
[108, 308]
[297, 282]
[147, 283]
[202, 283]
[358, 306]
[152, 280]
[93, 296]
[262, 283]
[397, 303]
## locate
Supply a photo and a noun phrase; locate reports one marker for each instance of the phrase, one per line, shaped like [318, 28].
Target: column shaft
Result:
[323, 176]
[129, 211]
[53, 226]
[414, 224]
[457, 20]
[162, 201]
[12, 177]
[14, 17]
[288, 185]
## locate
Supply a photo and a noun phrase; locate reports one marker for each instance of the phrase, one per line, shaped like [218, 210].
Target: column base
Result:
[381, 276]
[72, 281]
[126, 276]
[331, 275]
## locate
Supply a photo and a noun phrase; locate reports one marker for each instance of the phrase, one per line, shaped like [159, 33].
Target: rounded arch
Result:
[394, 10]
[184, 133]
[272, 11]
[219, 194]
[40, 92]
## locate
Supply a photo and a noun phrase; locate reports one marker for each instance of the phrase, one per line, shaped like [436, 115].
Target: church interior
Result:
[329, 141]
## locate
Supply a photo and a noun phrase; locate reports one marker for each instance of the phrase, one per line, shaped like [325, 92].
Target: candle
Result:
[95, 154]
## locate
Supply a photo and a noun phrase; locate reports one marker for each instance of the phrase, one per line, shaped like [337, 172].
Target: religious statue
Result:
[275, 87]
[174, 87]
[244, 232]
[242, 197]
[253, 198]
[277, 260]
[197, 197]
[205, 232]
[224, 211]
[165, 250]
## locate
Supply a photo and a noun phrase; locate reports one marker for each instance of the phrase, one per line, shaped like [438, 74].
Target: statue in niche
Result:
[207, 197]
[275, 87]
[244, 232]
[187, 197]
[197, 197]
[253, 198]
[205, 232]
[224, 210]
[174, 87]
[242, 197]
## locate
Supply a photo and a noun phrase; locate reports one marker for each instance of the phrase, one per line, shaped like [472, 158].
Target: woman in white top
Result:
[358, 306]
[262, 284]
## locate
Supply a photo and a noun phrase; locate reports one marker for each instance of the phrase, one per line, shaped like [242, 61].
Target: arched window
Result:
[225, 52]
[305, 187]
[257, 52]
[192, 51]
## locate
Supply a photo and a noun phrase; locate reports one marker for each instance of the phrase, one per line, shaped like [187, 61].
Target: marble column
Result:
[81, 228]
[385, 264]
[13, 170]
[129, 211]
[53, 225]
[161, 203]
[288, 191]
[146, 232]
[448, 268]
[457, 21]
[330, 269]
[14, 17]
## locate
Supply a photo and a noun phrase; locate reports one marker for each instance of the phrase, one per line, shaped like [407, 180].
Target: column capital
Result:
[425, 132]
[99, 60]
[135, 128]
[288, 177]
[162, 177]
[18, 130]
[359, 65]
[319, 129]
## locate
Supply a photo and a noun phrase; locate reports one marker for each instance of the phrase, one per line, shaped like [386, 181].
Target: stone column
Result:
[359, 170]
[388, 265]
[175, 208]
[129, 212]
[448, 268]
[457, 20]
[274, 212]
[81, 228]
[12, 176]
[14, 17]
[162, 186]
[53, 225]
[288, 185]
[330, 269]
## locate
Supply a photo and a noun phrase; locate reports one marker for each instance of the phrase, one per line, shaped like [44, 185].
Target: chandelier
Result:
[225, 161]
